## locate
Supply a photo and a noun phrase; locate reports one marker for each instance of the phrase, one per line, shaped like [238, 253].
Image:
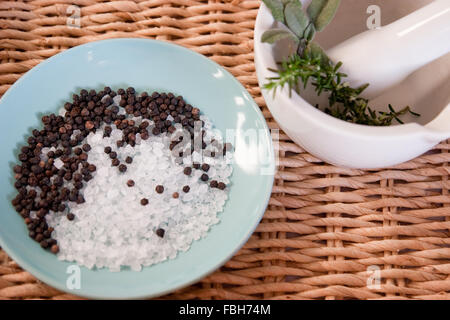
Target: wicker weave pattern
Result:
[324, 226]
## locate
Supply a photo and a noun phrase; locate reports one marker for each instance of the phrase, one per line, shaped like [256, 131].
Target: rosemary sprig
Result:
[310, 63]
[345, 102]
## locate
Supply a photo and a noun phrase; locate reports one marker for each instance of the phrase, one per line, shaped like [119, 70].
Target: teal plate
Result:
[147, 65]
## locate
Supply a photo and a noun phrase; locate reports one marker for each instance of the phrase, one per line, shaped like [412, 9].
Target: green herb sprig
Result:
[310, 63]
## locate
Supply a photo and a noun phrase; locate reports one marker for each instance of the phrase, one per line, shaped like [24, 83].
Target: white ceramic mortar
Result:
[352, 145]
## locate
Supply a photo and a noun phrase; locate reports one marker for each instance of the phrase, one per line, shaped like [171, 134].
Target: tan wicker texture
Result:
[326, 227]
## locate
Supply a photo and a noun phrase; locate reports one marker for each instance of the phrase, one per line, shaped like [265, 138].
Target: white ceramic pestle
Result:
[385, 56]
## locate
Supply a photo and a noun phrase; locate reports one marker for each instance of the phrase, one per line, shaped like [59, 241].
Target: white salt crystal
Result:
[116, 100]
[203, 188]
[188, 197]
[58, 163]
[112, 229]
[138, 138]
[106, 96]
[112, 194]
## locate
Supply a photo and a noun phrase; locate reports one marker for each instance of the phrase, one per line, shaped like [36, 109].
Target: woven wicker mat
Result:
[327, 230]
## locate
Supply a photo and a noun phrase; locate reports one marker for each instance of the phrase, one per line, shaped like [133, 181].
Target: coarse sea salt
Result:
[113, 230]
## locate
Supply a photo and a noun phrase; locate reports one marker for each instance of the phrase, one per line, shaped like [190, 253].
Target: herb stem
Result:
[344, 102]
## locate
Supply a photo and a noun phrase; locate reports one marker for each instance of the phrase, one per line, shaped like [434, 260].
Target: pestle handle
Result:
[384, 57]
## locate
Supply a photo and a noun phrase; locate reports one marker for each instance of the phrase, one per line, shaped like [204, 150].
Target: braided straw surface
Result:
[326, 228]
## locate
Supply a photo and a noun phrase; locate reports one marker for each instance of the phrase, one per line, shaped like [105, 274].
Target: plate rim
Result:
[181, 284]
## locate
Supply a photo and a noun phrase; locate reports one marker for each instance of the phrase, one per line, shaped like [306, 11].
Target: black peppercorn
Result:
[214, 184]
[107, 131]
[39, 237]
[156, 131]
[80, 199]
[76, 177]
[54, 249]
[87, 177]
[89, 125]
[83, 157]
[160, 232]
[86, 147]
[68, 176]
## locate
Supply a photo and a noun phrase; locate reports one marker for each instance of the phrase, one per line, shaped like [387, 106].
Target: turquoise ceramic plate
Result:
[146, 65]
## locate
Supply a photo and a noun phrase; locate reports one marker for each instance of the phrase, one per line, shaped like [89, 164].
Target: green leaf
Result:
[296, 18]
[276, 8]
[361, 88]
[321, 12]
[310, 32]
[314, 8]
[274, 35]
[314, 51]
[414, 113]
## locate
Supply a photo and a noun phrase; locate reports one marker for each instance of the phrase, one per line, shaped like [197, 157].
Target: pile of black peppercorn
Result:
[87, 112]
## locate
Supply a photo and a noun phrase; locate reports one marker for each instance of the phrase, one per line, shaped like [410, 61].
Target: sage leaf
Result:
[314, 51]
[273, 35]
[276, 8]
[314, 8]
[321, 12]
[296, 18]
[310, 32]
